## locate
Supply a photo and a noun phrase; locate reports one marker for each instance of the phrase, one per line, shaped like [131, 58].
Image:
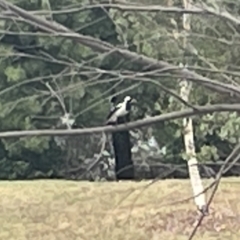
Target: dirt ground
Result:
[61, 210]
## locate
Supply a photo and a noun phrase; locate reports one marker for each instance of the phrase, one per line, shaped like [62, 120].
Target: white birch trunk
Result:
[188, 136]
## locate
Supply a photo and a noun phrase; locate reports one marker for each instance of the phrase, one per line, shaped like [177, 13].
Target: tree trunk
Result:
[188, 136]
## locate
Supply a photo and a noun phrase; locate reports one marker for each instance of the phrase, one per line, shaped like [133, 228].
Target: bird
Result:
[120, 110]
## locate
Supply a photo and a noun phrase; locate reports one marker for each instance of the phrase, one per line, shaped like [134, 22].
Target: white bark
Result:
[188, 136]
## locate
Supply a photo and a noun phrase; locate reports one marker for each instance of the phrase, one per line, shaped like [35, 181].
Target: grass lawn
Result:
[65, 210]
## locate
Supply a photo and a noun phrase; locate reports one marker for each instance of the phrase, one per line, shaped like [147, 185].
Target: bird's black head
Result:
[113, 100]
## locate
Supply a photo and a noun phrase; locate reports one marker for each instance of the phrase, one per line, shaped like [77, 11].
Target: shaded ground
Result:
[61, 210]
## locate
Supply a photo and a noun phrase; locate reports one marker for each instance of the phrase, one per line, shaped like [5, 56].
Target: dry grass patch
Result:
[63, 210]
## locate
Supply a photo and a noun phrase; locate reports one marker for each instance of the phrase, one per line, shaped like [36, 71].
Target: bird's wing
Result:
[111, 117]
[119, 105]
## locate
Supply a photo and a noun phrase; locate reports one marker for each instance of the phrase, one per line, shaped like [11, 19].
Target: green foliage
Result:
[231, 129]
[14, 74]
[208, 153]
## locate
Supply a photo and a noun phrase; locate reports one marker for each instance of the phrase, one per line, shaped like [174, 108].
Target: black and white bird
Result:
[120, 110]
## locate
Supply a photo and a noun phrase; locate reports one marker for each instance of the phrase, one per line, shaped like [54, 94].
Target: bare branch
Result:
[122, 7]
[57, 96]
[131, 125]
[101, 46]
[197, 9]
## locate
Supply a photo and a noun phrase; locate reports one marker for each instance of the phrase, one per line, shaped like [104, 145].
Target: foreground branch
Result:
[136, 124]
[122, 7]
[140, 8]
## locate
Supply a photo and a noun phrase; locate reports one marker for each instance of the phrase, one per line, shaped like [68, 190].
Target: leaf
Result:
[145, 147]
[20, 167]
[134, 149]
[38, 174]
[14, 74]
[122, 22]
[2, 24]
[208, 153]
[147, 49]
[157, 107]
[50, 173]
[105, 153]
[163, 150]
[178, 133]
